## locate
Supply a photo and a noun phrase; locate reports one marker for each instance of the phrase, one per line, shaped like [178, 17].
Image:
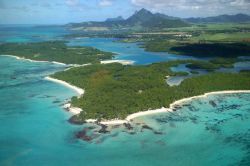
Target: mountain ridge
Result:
[225, 18]
[142, 19]
[146, 20]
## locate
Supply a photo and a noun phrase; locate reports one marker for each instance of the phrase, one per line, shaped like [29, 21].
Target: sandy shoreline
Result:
[123, 62]
[73, 110]
[129, 118]
[205, 95]
[77, 89]
[30, 60]
[163, 109]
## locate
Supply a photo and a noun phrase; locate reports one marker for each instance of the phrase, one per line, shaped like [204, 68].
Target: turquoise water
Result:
[177, 80]
[126, 51]
[34, 128]
[30, 33]
[35, 131]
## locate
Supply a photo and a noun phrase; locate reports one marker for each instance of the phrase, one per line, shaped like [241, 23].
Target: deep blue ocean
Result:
[34, 129]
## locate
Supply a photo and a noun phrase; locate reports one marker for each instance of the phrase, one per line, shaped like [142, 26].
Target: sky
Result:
[66, 11]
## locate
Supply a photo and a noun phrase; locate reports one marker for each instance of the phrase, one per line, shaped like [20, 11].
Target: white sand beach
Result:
[163, 109]
[76, 65]
[73, 110]
[78, 90]
[123, 62]
[149, 112]
[30, 60]
[205, 95]
[114, 122]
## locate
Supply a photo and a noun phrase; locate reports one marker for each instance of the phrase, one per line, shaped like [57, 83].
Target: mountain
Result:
[149, 20]
[140, 20]
[140, 16]
[238, 18]
[119, 18]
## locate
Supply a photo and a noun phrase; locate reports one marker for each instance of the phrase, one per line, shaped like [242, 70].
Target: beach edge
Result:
[130, 117]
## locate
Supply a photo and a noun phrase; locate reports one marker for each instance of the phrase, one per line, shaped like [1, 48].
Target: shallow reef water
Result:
[35, 131]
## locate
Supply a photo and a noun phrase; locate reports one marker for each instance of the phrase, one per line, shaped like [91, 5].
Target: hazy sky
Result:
[64, 11]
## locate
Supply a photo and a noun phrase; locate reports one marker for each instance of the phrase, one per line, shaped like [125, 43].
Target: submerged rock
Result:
[103, 129]
[128, 126]
[131, 133]
[212, 103]
[75, 120]
[146, 127]
[56, 101]
[83, 135]
[158, 132]
[160, 142]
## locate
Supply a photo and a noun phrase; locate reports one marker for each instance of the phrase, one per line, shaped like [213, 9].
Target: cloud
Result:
[198, 6]
[46, 5]
[71, 3]
[105, 3]
[76, 5]
[21, 8]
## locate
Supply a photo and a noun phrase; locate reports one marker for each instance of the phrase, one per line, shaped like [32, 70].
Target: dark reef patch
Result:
[212, 103]
[83, 135]
[103, 129]
[128, 126]
[146, 127]
[75, 120]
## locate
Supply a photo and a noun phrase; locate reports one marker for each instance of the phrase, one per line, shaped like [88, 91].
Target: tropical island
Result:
[125, 82]
[119, 90]
[56, 51]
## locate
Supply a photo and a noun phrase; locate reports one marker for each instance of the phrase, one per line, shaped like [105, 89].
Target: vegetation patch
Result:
[213, 49]
[55, 51]
[115, 91]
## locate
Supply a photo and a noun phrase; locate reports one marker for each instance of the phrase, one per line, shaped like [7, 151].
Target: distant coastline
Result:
[30, 60]
[123, 62]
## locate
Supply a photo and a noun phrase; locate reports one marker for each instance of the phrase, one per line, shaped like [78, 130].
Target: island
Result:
[114, 91]
[110, 90]
[56, 51]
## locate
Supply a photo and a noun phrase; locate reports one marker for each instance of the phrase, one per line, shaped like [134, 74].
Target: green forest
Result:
[114, 91]
[55, 51]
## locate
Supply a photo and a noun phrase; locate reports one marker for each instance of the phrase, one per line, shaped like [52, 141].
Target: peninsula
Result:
[114, 91]
[55, 51]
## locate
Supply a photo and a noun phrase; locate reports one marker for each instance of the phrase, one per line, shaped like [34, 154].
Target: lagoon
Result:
[35, 131]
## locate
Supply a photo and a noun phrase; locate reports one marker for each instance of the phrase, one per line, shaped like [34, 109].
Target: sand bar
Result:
[30, 60]
[123, 62]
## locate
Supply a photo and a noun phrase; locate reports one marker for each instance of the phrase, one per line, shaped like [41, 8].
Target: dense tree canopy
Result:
[55, 51]
[114, 91]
